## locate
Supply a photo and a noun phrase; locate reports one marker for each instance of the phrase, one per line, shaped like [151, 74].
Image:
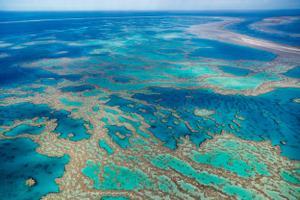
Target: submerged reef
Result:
[26, 174]
[149, 106]
[148, 170]
[65, 124]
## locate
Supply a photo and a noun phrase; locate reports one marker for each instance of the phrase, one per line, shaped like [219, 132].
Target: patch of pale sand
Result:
[267, 44]
[217, 31]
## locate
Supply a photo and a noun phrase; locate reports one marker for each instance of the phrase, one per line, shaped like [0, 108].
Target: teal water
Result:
[235, 71]
[103, 144]
[68, 102]
[25, 129]
[120, 135]
[272, 116]
[202, 177]
[19, 162]
[65, 124]
[115, 177]
[79, 88]
[141, 71]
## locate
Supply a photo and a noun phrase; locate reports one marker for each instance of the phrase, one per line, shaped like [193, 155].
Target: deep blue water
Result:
[235, 70]
[43, 25]
[66, 124]
[129, 52]
[121, 55]
[293, 73]
[293, 27]
[50, 21]
[79, 88]
[119, 69]
[19, 162]
[244, 28]
[226, 51]
[273, 116]
[13, 76]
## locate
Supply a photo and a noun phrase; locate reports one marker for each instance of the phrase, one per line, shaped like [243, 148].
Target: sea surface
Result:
[132, 105]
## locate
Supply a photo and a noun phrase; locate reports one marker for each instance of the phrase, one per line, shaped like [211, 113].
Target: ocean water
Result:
[289, 28]
[24, 128]
[65, 125]
[225, 51]
[79, 88]
[138, 106]
[293, 27]
[293, 73]
[273, 116]
[235, 71]
[20, 162]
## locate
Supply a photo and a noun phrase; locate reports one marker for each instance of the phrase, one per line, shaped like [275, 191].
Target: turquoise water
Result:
[127, 90]
[273, 116]
[202, 177]
[19, 162]
[115, 177]
[24, 128]
[65, 124]
[120, 135]
[68, 102]
[103, 144]
[235, 71]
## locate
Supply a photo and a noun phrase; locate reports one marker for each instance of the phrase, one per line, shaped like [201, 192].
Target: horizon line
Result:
[142, 10]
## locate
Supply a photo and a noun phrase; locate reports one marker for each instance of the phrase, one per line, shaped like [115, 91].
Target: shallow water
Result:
[273, 116]
[235, 71]
[20, 162]
[145, 109]
[65, 125]
[24, 128]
